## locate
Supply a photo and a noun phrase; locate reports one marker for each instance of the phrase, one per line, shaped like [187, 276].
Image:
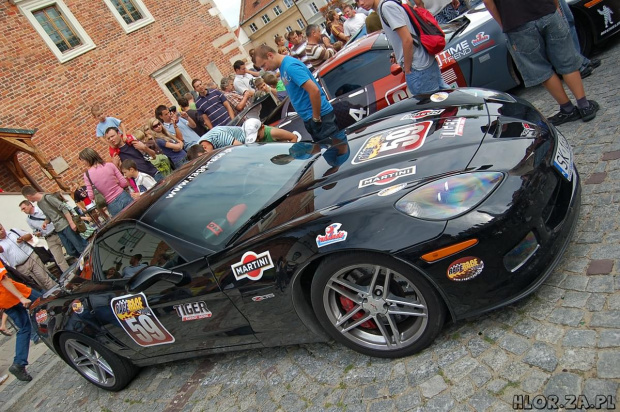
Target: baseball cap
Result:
[250, 129]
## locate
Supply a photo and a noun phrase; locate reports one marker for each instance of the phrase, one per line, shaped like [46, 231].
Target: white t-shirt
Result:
[352, 25]
[242, 82]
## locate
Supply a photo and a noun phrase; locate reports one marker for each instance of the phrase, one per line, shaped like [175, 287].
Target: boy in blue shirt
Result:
[307, 97]
[105, 121]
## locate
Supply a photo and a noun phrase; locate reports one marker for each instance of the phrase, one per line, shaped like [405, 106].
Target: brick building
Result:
[60, 57]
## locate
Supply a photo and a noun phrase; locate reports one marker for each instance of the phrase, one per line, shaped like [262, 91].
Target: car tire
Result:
[400, 322]
[96, 363]
[585, 36]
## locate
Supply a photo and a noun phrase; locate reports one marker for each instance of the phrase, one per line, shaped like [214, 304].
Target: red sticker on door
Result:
[396, 141]
[252, 265]
[139, 321]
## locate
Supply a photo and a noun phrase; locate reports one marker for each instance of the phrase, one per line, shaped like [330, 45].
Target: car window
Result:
[213, 202]
[360, 71]
[124, 253]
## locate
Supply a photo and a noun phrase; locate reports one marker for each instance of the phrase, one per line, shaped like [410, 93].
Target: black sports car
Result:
[595, 21]
[438, 208]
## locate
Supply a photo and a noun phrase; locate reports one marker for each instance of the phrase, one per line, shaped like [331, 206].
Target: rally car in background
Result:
[436, 209]
[360, 80]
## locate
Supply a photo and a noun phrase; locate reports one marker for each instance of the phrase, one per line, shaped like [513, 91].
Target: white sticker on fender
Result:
[252, 265]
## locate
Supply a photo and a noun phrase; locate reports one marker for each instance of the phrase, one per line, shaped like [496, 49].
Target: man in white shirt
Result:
[15, 252]
[354, 21]
[242, 80]
[35, 218]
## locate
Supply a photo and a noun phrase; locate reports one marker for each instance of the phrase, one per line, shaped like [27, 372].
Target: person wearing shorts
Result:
[540, 43]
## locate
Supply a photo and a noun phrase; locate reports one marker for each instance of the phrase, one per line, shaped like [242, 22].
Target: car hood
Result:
[411, 143]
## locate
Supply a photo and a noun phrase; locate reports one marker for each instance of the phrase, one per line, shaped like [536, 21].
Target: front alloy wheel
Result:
[375, 305]
[96, 363]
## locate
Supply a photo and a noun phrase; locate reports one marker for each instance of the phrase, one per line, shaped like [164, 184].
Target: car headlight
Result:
[449, 197]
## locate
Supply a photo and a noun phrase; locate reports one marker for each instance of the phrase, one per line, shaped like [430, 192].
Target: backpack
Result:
[426, 27]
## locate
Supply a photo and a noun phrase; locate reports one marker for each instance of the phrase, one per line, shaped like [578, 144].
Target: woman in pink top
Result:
[107, 179]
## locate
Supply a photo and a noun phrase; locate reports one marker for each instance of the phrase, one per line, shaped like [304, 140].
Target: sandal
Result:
[5, 332]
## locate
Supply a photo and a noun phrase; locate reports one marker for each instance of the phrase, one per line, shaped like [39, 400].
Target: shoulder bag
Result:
[100, 201]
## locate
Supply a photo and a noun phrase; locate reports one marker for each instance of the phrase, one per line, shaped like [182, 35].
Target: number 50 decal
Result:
[139, 321]
[396, 141]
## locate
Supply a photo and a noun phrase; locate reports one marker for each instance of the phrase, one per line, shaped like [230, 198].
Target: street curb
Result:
[32, 386]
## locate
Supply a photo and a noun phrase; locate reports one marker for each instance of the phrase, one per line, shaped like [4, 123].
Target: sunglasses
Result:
[156, 125]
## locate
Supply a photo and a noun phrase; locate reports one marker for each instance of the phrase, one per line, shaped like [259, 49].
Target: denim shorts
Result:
[425, 81]
[540, 46]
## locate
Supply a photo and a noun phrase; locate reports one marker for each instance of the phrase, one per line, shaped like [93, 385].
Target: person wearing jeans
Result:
[15, 298]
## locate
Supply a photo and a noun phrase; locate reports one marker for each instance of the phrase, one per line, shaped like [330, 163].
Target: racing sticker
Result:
[193, 311]
[465, 269]
[480, 38]
[41, 316]
[439, 97]
[77, 306]
[606, 12]
[452, 127]
[333, 234]
[397, 141]
[391, 190]
[263, 297]
[252, 265]
[422, 114]
[214, 228]
[387, 176]
[139, 321]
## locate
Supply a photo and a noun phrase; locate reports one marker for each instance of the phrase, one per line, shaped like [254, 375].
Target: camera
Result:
[172, 109]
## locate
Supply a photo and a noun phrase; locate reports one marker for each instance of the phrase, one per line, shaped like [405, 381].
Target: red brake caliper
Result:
[347, 304]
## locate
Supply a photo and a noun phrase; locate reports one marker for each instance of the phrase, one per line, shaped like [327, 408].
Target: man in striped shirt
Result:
[212, 105]
[317, 49]
[222, 136]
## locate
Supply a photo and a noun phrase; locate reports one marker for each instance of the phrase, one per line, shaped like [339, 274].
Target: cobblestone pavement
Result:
[562, 340]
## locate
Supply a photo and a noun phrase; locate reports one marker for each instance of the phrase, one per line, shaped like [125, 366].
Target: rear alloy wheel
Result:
[96, 363]
[376, 305]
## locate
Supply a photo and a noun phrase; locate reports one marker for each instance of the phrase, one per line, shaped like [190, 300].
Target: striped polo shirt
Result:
[213, 106]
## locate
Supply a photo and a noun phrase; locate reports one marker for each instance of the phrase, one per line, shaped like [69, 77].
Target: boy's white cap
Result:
[250, 128]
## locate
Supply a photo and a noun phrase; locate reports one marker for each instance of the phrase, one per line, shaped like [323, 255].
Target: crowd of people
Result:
[138, 160]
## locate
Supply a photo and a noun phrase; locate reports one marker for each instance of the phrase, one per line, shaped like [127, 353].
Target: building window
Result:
[324, 25]
[177, 87]
[277, 10]
[313, 8]
[173, 80]
[288, 3]
[266, 19]
[57, 26]
[130, 14]
[289, 29]
[253, 27]
[301, 23]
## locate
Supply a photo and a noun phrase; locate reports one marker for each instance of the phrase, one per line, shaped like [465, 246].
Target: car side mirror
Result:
[395, 69]
[149, 276]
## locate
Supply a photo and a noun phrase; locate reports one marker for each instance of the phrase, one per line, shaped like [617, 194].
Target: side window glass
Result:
[358, 72]
[127, 252]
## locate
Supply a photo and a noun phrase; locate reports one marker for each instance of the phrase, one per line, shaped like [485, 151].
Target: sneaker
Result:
[589, 112]
[561, 117]
[20, 372]
[595, 63]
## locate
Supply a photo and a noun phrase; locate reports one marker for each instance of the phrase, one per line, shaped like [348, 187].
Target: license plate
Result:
[563, 158]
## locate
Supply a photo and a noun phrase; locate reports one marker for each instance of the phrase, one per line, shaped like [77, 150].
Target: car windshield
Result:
[214, 201]
[360, 71]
